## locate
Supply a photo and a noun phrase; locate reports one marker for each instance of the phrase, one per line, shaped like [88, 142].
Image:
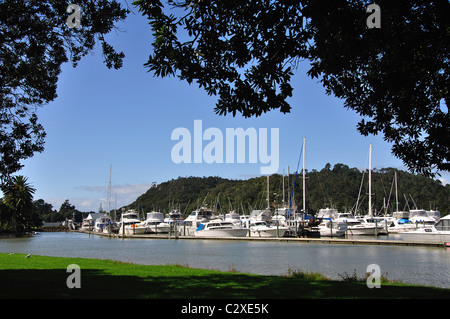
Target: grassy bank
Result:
[45, 277]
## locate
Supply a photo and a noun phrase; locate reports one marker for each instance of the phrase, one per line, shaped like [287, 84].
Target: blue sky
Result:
[125, 118]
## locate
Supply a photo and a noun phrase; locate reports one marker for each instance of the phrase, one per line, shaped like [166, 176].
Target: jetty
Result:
[325, 240]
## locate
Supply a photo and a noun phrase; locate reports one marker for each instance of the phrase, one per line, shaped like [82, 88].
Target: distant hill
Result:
[336, 187]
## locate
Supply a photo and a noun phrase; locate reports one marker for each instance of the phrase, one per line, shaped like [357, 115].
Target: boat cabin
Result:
[443, 223]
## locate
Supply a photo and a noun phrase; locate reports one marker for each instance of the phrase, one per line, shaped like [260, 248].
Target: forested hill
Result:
[336, 187]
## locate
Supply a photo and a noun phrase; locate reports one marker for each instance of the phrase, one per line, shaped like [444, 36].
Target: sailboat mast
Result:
[109, 192]
[396, 192]
[304, 183]
[268, 203]
[283, 188]
[370, 180]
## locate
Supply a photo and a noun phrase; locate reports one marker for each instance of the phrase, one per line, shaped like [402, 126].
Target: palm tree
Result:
[19, 197]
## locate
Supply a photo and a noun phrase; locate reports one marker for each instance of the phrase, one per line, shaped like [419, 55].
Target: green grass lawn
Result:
[46, 277]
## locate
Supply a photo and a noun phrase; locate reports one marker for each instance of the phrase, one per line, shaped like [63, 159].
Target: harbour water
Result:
[409, 264]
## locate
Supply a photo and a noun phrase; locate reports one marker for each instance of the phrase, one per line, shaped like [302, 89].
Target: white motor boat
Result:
[263, 229]
[233, 217]
[87, 225]
[436, 215]
[401, 225]
[282, 215]
[440, 232]
[220, 228]
[330, 228]
[328, 213]
[155, 223]
[421, 216]
[101, 223]
[245, 219]
[358, 226]
[130, 224]
[174, 216]
[196, 218]
[261, 215]
[280, 219]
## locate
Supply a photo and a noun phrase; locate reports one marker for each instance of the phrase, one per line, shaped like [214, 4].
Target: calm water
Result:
[419, 265]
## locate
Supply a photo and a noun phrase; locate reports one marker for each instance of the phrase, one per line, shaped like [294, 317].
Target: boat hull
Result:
[355, 230]
[236, 232]
[326, 232]
[133, 230]
[268, 232]
[427, 235]
[158, 229]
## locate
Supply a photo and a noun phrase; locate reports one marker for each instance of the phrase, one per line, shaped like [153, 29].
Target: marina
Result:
[287, 220]
[328, 227]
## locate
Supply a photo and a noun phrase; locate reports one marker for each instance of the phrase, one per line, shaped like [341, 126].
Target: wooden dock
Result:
[327, 240]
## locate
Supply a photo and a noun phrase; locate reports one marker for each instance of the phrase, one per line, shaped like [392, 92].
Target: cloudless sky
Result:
[125, 118]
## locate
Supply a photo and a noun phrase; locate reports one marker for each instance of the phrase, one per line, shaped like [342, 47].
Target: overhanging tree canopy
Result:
[35, 41]
[396, 77]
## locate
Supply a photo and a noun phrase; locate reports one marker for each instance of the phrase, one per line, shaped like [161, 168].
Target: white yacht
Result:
[330, 226]
[436, 215]
[401, 225]
[87, 225]
[281, 215]
[155, 223]
[263, 229]
[261, 215]
[104, 224]
[174, 217]
[421, 217]
[233, 217]
[197, 217]
[101, 222]
[440, 232]
[130, 224]
[329, 213]
[244, 219]
[220, 228]
[400, 215]
[358, 226]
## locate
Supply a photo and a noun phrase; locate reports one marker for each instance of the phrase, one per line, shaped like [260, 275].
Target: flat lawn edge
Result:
[42, 277]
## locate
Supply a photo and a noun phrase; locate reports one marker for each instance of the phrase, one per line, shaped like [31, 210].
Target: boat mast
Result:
[370, 180]
[396, 192]
[304, 183]
[283, 189]
[268, 203]
[109, 192]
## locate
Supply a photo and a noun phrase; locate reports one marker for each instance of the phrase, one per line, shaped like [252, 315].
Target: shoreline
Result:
[327, 240]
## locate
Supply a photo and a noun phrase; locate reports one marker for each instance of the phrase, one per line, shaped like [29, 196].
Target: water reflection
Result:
[420, 265]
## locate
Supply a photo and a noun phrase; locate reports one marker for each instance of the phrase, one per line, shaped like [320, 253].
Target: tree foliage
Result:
[245, 52]
[18, 204]
[66, 211]
[35, 41]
